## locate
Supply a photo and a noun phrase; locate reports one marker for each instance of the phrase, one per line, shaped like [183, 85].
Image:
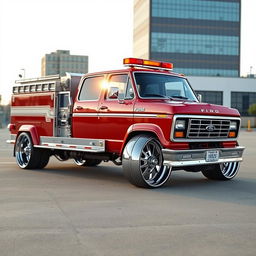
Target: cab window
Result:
[119, 87]
[91, 88]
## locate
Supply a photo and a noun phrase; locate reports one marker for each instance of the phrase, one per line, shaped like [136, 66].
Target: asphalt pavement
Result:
[70, 210]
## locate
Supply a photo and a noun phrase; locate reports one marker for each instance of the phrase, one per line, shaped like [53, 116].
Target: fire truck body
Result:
[146, 118]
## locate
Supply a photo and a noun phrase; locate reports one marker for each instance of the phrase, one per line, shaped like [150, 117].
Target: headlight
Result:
[180, 125]
[233, 129]
[180, 128]
[233, 126]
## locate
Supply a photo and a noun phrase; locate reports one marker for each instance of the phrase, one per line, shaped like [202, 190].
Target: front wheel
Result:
[223, 171]
[143, 162]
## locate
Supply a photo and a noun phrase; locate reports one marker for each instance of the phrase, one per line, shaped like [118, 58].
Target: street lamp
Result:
[24, 73]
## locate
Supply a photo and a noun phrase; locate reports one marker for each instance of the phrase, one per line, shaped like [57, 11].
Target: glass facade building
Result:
[242, 101]
[201, 37]
[61, 61]
[212, 97]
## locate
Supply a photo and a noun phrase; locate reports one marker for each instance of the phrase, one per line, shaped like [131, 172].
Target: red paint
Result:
[33, 131]
[112, 120]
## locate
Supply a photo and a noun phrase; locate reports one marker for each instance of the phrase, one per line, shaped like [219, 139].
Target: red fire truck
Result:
[144, 117]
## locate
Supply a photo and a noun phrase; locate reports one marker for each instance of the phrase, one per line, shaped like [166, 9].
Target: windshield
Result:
[153, 85]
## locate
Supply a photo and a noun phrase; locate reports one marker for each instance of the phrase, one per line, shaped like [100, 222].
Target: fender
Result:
[32, 130]
[145, 127]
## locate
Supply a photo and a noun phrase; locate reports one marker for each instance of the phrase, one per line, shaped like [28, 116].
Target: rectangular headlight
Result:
[233, 126]
[180, 125]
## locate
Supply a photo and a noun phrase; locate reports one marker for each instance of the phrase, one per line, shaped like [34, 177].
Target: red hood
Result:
[181, 107]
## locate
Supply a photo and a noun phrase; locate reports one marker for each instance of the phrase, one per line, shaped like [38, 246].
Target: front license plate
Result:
[212, 156]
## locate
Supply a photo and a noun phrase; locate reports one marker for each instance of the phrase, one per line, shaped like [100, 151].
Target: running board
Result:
[73, 144]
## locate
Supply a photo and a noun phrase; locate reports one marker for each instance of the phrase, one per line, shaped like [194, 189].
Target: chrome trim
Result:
[47, 111]
[73, 144]
[202, 128]
[38, 79]
[84, 114]
[202, 117]
[113, 115]
[179, 158]
[66, 147]
[199, 162]
[147, 115]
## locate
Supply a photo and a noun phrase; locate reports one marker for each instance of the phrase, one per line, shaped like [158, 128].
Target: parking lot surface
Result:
[69, 210]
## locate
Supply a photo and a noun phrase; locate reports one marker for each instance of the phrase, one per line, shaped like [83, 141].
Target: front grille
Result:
[208, 128]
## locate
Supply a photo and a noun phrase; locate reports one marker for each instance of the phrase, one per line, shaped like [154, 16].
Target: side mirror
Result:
[199, 97]
[113, 93]
[130, 94]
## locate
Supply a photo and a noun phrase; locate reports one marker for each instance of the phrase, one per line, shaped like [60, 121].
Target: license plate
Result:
[212, 156]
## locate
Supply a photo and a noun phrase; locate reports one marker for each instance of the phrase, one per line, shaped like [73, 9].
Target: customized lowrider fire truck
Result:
[143, 117]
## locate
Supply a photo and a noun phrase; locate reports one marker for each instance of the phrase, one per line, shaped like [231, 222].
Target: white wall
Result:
[224, 84]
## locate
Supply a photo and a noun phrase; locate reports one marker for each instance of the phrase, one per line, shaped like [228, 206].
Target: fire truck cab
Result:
[144, 117]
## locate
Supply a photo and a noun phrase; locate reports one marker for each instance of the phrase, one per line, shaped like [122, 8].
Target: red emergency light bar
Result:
[148, 63]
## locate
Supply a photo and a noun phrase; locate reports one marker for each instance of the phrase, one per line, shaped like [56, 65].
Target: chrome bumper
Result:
[180, 158]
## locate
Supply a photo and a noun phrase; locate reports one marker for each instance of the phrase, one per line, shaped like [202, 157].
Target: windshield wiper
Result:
[155, 95]
[178, 97]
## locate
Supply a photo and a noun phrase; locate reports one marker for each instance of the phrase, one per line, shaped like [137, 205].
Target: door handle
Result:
[103, 107]
[79, 107]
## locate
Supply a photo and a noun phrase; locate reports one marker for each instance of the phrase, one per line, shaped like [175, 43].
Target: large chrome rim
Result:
[230, 170]
[23, 151]
[151, 165]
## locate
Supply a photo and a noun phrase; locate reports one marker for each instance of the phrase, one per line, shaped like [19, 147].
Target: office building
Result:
[62, 61]
[234, 92]
[201, 37]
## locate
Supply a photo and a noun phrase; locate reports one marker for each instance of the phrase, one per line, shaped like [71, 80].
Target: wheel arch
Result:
[145, 129]
[32, 131]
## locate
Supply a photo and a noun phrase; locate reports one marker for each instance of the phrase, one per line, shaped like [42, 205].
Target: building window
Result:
[242, 101]
[195, 43]
[206, 72]
[196, 9]
[213, 97]
[91, 88]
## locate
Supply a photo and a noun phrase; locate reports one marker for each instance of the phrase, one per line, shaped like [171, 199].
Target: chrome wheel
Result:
[151, 164]
[23, 150]
[225, 171]
[27, 156]
[229, 170]
[143, 162]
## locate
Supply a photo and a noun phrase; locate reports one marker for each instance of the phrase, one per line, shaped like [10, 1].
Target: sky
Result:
[101, 29]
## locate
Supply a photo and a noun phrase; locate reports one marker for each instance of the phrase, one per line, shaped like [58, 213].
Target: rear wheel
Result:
[143, 162]
[28, 157]
[87, 162]
[223, 171]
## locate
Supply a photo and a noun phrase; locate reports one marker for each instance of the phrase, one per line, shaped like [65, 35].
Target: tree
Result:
[252, 109]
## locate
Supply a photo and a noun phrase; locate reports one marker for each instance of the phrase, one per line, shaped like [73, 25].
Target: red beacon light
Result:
[148, 63]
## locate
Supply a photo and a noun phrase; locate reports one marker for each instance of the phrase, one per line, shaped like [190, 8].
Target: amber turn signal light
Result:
[179, 134]
[232, 134]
